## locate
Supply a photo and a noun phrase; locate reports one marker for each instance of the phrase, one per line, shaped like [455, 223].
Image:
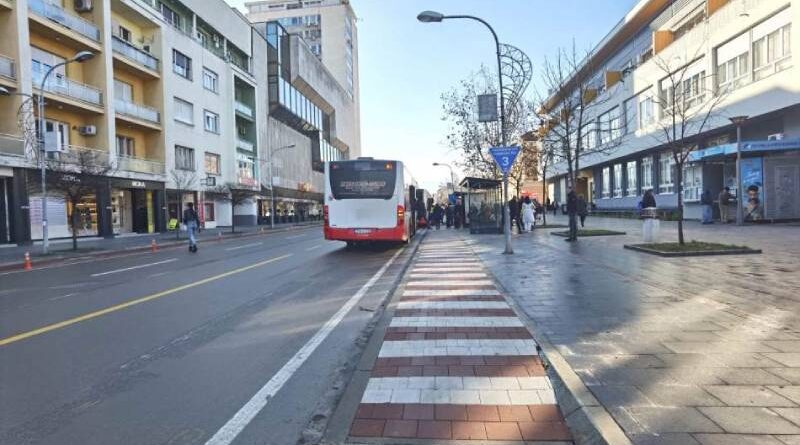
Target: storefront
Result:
[136, 206]
[290, 206]
[176, 202]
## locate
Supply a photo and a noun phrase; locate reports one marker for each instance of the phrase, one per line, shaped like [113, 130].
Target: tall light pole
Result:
[739, 122]
[452, 176]
[437, 17]
[79, 57]
[272, 185]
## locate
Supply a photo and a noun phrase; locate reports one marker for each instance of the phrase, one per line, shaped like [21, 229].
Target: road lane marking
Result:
[243, 246]
[141, 266]
[313, 248]
[61, 297]
[108, 310]
[227, 434]
[295, 236]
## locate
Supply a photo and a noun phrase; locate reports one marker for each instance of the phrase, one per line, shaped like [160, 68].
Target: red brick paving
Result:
[472, 330]
[454, 298]
[459, 366]
[469, 430]
[433, 429]
[454, 313]
[400, 428]
[396, 336]
[503, 431]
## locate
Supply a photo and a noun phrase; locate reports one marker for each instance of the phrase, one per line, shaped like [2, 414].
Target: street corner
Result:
[452, 363]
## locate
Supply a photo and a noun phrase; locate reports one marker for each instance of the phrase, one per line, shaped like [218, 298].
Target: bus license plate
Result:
[363, 231]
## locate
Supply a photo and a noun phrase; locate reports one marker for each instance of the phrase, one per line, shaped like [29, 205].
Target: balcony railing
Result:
[61, 16]
[7, 67]
[133, 164]
[67, 87]
[138, 111]
[83, 156]
[244, 109]
[12, 145]
[131, 52]
[244, 145]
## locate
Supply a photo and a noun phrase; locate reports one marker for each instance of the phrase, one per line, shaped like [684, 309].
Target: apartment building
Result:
[168, 100]
[330, 29]
[737, 51]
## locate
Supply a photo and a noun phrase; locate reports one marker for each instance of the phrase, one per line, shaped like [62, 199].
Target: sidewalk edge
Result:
[588, 420]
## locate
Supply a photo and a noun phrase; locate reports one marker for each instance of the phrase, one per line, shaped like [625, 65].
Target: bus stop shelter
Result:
[483, 204]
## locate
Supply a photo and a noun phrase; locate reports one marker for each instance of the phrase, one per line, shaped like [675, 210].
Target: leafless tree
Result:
[234, 194]
[546, 156]
[688, 103]
[184, 180]
[573, 108]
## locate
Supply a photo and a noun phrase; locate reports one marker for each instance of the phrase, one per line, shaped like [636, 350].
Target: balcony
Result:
[137, 111]
[140, 57]
[64, 18]
[69, 88]
[140, 165]
[82, 156]
[7, 68]
[11, 145]
[244, 145]
[244, 110]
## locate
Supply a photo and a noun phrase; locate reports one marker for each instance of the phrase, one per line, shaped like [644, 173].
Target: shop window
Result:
[618, 180]
[184, 158]
[212, 164]
[647, 173]
[666, 173]
[208, 212]
[606, 182]
[692, 182]
[631, 186]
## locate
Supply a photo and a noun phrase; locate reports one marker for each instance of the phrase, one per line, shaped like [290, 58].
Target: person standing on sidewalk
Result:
[572, 211]
[707, 201]
[583, 210]
[724, 204]
[191, 221]
[555, 207]
[513, 211]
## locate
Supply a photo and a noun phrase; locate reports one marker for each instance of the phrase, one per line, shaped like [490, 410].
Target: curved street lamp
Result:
[452, 176]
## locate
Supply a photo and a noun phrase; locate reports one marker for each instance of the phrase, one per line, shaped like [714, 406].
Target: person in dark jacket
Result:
[436, 216]
[648, 200]
[513, 210]
[572, 212]
[707, 201]
[448, 213]
[459, 214]
[192, 222]
[583, 210]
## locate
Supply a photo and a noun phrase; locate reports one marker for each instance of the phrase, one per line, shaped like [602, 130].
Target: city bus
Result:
[368, 200]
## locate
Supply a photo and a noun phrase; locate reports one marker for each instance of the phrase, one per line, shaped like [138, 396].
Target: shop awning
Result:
[720, 151]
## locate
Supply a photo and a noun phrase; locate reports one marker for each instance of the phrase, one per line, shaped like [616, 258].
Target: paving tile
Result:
[377, 396]
[741, 395]
[436, 396]
[433, 429]
[790, 374]
[494, 397]
[419, 411]
[451, 412]
[486, 413]
[387, 411]
[514, 413]
[790, 392]
[672, 420]
[689, 395]
[747, 420]
[789, 439]
[405, 396]
[544, 431]
[545, 413]
[468, 430]
[791, 359]
[751, 376]
[364, 410]
[736, 439]
[502, 431]
[525, 397]
[465, 396]
[792, 414]
[400, 428]
[367, 428]
[664, 439]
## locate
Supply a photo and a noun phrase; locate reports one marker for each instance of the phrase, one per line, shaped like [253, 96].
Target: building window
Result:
[181, 64]
[208, 212]
[606, 182]
[618, 180]
[666, 170]
[590, 135]
[646, 114]
[126, 146]
[170, 16]
[610, 128]
[124, 33]
[631, 186]
[692, 182]
[647, 173]
[184, 158]
[211, 121]
[631, 115]
[246, 170]
[771, 51]
[210, 80]
[212, 161]
[683, 91]
[123, 91]
[184, 111]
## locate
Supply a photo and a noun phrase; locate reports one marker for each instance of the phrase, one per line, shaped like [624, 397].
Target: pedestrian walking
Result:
[555, 206]
[572, 212]
[436, 216]
[513, 210]
[583, 210]
[528, 216]
[724, 199]
[707, 201]
[448, 213]
[648, 200]
[460, 215]
[191, 221]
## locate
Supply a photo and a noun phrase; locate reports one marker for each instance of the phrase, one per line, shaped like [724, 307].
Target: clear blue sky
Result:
[406, 65]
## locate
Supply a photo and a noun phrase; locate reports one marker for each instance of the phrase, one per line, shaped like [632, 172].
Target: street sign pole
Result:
[506, 217]
[505, 157]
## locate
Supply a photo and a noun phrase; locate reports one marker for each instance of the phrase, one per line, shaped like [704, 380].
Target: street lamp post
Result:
[79, 57]
[452, 176]
[272, 185]
[739, 122]
[437, 17]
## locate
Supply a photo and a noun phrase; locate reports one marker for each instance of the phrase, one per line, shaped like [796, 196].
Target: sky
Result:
[406, 65]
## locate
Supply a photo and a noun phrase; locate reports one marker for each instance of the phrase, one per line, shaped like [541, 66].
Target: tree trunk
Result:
[544, 196]
[679, 191]
[178, 215]
[74, 220]
[233, 224]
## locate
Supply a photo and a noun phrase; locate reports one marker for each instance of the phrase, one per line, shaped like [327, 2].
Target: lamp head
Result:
[738, 120]
[430, 17]
[82, 56]
[4, 91]
[435, 164]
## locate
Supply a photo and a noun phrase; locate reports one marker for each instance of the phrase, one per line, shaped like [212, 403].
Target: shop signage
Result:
[786, 144]
[487, 107]
[138, 184]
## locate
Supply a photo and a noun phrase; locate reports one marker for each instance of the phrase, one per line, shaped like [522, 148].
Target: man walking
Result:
[583, 209]
[707, 201]
[513, 210]
[192, 222]
[724, 204]
[572, 211]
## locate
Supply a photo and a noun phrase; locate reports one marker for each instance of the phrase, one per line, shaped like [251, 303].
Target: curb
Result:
[606, 233]
[588, 420]
[692, 254]
[12, 266]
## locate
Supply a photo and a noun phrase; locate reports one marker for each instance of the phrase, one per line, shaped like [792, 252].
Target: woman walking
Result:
[528, 217]
[583, 210]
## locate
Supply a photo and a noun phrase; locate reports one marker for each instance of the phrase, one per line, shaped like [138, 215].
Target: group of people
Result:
[524, 213]
[725, 200]
[452, 215]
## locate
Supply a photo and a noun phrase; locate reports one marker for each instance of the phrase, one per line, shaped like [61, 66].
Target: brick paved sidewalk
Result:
[456, 363]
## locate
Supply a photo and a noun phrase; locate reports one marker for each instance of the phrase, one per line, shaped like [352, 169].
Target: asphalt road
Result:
[167, 347]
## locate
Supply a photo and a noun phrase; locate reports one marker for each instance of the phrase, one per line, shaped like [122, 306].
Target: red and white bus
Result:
[369, 200]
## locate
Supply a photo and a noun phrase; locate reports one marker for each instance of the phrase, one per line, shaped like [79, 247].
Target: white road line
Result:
[61, 297]
[450, 347]
[141, 266]
[313, 248]
[451, 293]
[445, 275]
[295, 236]
[455, 322]
[460, 390]
[445, 283]
[452, 305]
[454, 269]
[227, 434]
[243, 246]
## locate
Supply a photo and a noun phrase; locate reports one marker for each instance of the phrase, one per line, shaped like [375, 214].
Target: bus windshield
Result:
[363, 179]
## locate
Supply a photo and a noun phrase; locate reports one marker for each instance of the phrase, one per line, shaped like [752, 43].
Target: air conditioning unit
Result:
[88, 130]
[775, 137]
[83, 5]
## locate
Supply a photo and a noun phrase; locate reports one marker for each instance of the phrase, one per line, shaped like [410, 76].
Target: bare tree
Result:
[546, 156]
[234, 194]
[76, 174]
[688, 104]
[573, 109]
[184, 180]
